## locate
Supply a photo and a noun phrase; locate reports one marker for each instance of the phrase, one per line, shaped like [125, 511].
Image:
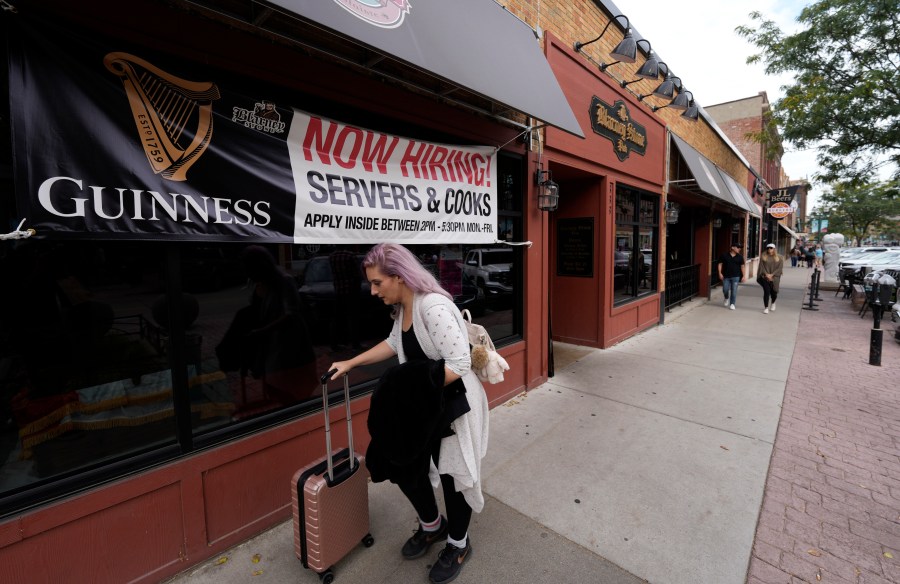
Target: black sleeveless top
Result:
[455, 402]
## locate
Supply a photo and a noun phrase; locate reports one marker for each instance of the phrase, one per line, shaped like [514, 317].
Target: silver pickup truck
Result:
[490, 269]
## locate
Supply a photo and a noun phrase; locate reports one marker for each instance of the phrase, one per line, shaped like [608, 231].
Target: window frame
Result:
[638, 225]
[753, 235]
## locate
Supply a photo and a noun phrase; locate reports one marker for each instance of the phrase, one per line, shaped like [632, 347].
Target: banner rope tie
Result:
[18, 233]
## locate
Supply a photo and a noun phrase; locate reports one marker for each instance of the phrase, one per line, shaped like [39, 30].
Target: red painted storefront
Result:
[152, 523]
[583, 308]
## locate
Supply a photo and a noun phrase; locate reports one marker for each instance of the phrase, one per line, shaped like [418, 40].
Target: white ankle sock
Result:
[433, 526]
[458, 543]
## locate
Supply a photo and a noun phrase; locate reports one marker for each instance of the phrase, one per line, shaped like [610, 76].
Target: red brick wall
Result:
[737, 131]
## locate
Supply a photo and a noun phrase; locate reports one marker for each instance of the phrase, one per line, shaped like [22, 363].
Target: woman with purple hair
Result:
[428, 326]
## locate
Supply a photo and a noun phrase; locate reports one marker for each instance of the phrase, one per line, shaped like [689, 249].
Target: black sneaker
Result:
[449, 564]
[421, 541]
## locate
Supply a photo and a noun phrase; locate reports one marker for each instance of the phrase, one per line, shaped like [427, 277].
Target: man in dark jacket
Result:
[731, 273]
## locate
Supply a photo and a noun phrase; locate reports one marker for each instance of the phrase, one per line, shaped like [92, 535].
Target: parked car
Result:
[490, 269]
[872, 260]
[855, 252]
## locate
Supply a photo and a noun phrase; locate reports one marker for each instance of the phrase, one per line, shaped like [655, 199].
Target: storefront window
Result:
[104, 362]
[84, 372]
[753, 238]
[635, 254]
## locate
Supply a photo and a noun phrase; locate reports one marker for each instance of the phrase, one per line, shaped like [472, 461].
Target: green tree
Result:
[856, 209]
[844, 100]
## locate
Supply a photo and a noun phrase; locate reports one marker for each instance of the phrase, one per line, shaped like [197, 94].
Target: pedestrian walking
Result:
[731, 273]
[771, 266]
[428, 329]
[820, 255]
[795, 256]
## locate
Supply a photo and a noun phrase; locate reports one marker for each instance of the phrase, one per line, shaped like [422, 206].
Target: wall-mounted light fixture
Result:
[692, 112]
[666, 89]
[547, 191]
[672, 211]
[649, 70]
[717, 222]
[680, 102]
[625, 51]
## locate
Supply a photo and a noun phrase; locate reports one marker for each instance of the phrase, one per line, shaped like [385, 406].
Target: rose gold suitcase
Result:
[330, 499]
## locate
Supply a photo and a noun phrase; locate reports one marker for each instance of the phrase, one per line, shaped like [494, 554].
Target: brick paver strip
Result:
[831, 509]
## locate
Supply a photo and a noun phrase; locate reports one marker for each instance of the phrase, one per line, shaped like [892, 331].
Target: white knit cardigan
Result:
[441, 332]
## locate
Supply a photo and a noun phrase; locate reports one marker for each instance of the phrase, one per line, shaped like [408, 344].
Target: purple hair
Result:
[396, 260]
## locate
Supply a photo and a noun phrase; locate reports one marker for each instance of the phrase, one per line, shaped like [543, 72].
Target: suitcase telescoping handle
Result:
[325, 379]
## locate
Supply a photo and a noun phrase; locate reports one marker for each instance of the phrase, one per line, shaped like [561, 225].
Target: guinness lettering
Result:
[64, 196]
[614, 122]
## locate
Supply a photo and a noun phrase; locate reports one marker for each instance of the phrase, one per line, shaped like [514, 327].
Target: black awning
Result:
[740, 194]
[706, 177]
[475, 44]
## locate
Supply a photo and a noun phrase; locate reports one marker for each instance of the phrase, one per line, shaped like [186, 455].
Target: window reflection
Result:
[268, 343]
[752, 238]
[84, 374]
[634, 251]
[94, 341]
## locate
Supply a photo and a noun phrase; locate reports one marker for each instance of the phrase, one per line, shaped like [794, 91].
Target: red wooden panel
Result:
[631, 318]
[122, 543]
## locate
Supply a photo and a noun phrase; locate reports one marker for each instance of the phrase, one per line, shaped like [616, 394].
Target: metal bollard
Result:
[818, 277]
[877, 335]
[812, 292]
[875, 339]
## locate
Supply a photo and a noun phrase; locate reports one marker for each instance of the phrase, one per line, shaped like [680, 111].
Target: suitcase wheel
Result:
[326, 577]
[368, 540]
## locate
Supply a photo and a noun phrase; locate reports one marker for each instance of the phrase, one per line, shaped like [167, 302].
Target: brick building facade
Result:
[742, 121]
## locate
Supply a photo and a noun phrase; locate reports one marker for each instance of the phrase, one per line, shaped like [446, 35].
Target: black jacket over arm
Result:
[405, 414]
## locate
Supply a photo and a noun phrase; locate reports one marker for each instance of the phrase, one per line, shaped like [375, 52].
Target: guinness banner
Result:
[359, 186]
[115, 142]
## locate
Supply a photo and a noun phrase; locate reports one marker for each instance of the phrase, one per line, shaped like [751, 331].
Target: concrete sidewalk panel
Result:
[731, 402]
[732, 338]
[507, 547]
[667, 499]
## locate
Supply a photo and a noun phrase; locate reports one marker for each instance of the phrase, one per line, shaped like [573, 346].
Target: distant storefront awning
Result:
[740, 194]
[708, 179]
[792, 233]
[474, 44]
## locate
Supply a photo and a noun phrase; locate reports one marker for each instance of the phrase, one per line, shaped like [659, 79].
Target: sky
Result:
[700, 45]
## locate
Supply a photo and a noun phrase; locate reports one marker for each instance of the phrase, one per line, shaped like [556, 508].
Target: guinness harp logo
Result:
[173, 116]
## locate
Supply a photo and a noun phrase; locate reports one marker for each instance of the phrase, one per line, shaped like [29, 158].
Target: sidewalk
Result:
[831, 511]
[648, 462]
